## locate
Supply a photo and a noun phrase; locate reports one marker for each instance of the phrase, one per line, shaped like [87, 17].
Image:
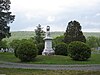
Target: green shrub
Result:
[3, 44]
[61, 49]
[40, 48]
[57, 40]
[26, 51]
[79, 51]
[14, 44]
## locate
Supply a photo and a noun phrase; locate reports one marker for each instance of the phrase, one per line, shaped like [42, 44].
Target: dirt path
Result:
[91, 67]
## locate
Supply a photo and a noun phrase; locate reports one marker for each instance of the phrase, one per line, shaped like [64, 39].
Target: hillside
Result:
[28, 34]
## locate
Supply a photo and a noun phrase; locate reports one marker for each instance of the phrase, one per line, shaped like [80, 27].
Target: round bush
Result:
[14, 44]
[79, 51]
[61, 49]
[26, 51]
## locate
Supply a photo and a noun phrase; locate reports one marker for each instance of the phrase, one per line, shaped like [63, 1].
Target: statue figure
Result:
[48, 31]
[48, 28]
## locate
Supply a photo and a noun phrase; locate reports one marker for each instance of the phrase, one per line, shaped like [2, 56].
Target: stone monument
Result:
[48, 43]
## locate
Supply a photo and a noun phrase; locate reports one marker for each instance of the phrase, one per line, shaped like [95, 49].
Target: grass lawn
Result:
[95, 59]
[8, 57]
[56, 59]
[7, 71]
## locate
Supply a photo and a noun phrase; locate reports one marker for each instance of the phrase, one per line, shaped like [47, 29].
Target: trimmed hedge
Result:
[61, 49]
[26, 51]
[79, 51]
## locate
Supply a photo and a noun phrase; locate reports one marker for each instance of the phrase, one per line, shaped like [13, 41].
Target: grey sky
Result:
[56, 13]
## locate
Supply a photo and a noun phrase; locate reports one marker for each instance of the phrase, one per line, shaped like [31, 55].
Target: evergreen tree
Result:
[39, 34]
[74, 33]
[5, 18]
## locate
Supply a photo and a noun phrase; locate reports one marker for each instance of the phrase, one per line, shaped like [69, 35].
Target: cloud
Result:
[51, 18]
[50, 5]
[98, 14]
[56, 13]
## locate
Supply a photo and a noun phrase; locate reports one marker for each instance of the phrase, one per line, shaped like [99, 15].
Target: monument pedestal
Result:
[48, 47]
[48, 44]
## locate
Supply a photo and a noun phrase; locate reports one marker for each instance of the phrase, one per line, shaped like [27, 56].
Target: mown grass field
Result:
[7, 71]
[29, 34]
[56, 59]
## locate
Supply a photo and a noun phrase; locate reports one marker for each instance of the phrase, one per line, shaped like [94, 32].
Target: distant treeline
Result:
[29, 34]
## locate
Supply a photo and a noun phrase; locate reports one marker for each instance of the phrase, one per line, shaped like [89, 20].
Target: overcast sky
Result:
[56, 14]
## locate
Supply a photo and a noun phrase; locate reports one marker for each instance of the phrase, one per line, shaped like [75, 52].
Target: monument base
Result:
[48, 52]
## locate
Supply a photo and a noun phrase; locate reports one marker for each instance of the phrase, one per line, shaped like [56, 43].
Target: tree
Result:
[93, 41]
[5, 18]
[39, 34]
[74, 33]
